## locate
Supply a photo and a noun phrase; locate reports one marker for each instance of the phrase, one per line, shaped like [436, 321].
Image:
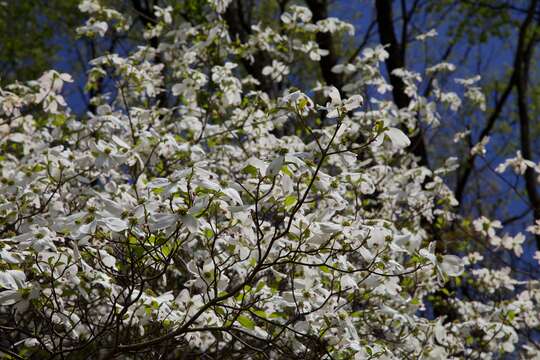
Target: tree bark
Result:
[319, 8]
[238, 27]
[396, 60]
[523, 58]
[148, 18]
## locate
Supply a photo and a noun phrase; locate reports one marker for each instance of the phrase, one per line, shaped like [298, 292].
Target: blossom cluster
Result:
[204, 225]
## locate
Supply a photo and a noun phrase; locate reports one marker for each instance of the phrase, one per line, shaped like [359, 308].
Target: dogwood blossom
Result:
[518, 164]
[238, 218]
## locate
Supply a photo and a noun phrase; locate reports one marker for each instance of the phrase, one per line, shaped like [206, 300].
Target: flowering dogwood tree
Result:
[217, 215]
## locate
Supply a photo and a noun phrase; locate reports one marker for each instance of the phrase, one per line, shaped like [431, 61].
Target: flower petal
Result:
[398, 138]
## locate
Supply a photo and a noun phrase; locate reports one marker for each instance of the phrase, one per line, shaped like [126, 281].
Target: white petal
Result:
[353, 102]
[9, 297]
[190, 222]
[347, 282]
[258, 164]
[333, 94]
[17, 137]
[330, 228]
[366, 254]
[87, 228]
[440, 333]
[12, 279]
[162, 221]
[274, 167]
[398, 138]
[8, 257]
[108, 260]
[267, 70]
[207, 184]
[158, 183]
[452, 265]
[66, 77]
[6, 281]
[114, 224]
[233, 195]
[333, 113]
[428, 255]
[120, 142]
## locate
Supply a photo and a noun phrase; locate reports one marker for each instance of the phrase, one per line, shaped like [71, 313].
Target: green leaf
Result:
[246, 322]
[250, 170]
[260, 313]
[324, 269]
[166, 250]
[208, 233]
[220, 311]
[445, 291]
[290, 201]
[285, 170]
[275, 315]
[302, 103]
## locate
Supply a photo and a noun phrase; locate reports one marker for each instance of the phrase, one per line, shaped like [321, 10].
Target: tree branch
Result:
[319, 8]
[523, 59]
[468, 166]
[396, 60]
